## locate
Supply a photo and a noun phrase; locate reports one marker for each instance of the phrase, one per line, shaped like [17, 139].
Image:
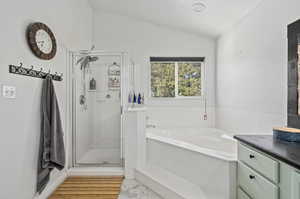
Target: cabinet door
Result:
[295, 185]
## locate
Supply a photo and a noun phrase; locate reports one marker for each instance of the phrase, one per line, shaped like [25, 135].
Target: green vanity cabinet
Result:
[259, 162]
[254, 184]
[295, 185]
[261, 176]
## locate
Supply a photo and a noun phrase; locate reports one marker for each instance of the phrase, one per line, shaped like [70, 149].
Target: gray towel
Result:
[51, 150]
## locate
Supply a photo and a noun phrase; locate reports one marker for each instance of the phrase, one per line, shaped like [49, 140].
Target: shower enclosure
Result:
[97, 95]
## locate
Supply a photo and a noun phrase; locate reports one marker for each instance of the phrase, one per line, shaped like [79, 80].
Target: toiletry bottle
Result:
[93, 84]
[134, 98]
[143, 99]
[129, 98]
[139, 99]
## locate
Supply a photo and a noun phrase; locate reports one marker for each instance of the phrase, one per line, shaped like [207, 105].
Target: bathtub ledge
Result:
[191, 147]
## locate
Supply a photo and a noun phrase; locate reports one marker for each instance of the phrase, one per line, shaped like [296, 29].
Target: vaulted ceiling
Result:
[217, 17]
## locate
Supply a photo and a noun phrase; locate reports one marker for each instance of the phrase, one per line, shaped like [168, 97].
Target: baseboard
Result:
[157, 187]
[94, 171]
[52, 186]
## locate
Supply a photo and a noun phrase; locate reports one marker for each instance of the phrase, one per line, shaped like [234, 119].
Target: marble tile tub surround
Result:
[132, 189]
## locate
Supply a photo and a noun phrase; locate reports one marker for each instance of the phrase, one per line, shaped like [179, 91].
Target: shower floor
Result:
[101, 157]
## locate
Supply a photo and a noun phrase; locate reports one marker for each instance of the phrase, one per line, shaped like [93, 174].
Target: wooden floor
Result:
[89, 188]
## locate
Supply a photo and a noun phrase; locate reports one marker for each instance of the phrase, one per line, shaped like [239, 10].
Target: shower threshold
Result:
[102, 164]
[96, 171]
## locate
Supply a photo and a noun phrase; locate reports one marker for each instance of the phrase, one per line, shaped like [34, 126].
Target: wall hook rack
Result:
[20, 70]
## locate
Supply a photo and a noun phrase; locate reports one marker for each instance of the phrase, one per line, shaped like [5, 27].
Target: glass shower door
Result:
[97, 101]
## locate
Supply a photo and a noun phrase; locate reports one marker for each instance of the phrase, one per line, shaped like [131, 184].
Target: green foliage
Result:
[189, 79]
[163, 79]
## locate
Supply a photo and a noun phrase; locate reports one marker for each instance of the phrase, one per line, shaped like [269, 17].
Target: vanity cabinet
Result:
[295, 185]
[259, 162]
[261, 176]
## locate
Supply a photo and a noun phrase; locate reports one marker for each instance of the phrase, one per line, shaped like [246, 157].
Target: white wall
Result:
[142, 40]
[20, 118]
[252, 69]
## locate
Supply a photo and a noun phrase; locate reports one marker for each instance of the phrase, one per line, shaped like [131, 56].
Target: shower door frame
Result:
[123, 90]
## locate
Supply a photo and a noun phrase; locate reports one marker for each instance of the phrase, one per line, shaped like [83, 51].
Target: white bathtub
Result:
[203, 158]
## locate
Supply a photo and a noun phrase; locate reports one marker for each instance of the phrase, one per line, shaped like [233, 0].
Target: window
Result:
[176, 77]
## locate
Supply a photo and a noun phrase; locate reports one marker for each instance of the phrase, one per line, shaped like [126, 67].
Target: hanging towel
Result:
[51, 150]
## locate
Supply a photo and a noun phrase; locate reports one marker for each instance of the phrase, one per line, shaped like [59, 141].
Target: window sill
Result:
[201, 98]
[176, 102]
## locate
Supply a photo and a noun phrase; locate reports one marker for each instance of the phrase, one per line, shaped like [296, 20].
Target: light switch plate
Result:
[9, 91]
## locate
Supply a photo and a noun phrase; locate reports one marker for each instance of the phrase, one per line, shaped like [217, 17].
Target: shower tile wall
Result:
[105, 111]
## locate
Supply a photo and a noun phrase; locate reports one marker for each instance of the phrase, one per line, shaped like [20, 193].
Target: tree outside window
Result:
[176, 79]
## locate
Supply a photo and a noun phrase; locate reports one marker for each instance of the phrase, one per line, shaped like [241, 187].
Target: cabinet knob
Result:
[251, 177]
[251, 156]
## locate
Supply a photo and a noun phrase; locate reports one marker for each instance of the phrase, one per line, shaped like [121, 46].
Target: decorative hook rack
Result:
[20, 70]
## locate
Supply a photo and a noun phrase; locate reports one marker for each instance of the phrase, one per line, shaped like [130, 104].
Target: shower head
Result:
[84, 61]
[93, 59]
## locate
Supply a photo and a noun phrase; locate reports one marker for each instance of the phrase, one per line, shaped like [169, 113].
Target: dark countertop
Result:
[288, 152]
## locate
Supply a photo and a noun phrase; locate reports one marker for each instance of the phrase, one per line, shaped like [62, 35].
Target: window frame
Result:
[178, 97]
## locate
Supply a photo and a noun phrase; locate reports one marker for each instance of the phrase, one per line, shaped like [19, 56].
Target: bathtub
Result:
[204, 159]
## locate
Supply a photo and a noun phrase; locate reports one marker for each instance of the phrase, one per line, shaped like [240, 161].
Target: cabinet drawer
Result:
[259, 162]
[242, 194]
[255, 185]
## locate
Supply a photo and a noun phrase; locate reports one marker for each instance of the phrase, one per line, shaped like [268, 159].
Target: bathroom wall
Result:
[70, 20]
[251, 78]
[143, 39]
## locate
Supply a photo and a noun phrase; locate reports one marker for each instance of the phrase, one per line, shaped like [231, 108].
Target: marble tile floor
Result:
[131, 189]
